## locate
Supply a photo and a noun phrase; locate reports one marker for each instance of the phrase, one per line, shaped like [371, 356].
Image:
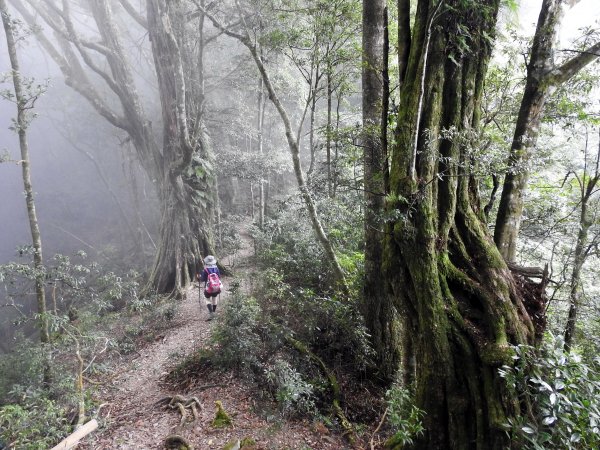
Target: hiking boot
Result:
[211, 315]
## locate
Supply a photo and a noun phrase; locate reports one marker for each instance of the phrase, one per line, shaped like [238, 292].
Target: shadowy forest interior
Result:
[402, 198]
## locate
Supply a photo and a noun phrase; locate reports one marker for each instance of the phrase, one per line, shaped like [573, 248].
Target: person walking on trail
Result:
[210, 276]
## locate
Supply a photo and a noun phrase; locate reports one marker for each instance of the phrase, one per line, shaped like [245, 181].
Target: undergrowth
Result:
[93, 312]
[565, 390]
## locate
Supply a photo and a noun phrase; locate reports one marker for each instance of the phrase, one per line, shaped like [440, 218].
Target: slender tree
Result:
[587, 183]
[260, 122]
[377, 310]
[25, 102]
[462, 307]
[543, 77]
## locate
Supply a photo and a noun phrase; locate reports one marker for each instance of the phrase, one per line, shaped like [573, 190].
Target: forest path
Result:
[131, 417]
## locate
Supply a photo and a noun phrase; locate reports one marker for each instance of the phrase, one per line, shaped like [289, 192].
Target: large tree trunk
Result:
[462, 306]
[180, 248]
[542, 79]
[377, 309]
[185, 223]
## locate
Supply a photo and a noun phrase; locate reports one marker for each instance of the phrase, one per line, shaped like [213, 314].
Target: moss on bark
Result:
[457, 294]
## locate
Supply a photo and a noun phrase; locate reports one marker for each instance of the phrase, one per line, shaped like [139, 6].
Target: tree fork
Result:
[460, 300]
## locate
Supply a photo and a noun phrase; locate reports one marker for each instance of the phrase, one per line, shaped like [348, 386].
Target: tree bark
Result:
[376, 307]
[462, 306]
[543, 77]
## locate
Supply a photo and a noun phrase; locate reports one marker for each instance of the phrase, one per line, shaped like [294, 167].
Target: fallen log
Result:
[73, 439]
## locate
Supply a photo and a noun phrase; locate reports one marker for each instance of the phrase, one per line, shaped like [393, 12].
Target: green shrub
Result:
[565, 392]
[403, 416]
[288, 242]
[293, 393]
[36, 423]
[23, 365]
[237, 334]
[332, 328]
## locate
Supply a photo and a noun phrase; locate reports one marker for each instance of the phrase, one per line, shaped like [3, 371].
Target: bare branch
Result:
[74, 74]
[134, 13]
[74, 38]
[224, 28]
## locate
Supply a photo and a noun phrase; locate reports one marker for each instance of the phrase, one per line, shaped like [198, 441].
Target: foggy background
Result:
[90, 191]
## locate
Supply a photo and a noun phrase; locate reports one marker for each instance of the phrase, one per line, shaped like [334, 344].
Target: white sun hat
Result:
[210, 260]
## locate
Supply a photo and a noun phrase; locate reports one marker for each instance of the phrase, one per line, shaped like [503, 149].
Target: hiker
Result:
[212, 284]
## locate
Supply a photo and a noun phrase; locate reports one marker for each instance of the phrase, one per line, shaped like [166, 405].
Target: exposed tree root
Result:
[534, 294]
[182, 403]
[178, 442]
[335, 387]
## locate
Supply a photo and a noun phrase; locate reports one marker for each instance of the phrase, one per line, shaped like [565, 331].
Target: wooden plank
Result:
[73, 439]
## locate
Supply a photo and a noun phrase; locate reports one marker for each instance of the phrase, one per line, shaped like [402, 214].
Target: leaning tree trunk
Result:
[462, 306]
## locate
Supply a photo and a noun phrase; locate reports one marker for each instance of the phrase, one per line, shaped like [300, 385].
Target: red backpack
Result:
[213, 283]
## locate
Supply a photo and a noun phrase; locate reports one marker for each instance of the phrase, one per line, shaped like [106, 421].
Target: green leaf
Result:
[549, 420]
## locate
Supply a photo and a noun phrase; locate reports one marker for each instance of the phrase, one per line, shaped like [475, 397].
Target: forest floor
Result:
[133, 417]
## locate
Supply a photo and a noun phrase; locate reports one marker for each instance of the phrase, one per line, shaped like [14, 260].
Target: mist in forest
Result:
[91, 192]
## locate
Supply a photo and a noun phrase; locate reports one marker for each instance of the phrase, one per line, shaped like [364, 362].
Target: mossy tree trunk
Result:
[462, 307]
[186, 217]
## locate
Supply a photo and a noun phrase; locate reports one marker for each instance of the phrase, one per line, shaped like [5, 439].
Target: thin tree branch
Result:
[134, 13]
[563, 73]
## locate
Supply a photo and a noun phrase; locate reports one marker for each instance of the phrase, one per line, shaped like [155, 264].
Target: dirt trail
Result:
[132, 419]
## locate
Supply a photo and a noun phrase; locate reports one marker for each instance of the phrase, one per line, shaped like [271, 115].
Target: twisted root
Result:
[182, 403]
